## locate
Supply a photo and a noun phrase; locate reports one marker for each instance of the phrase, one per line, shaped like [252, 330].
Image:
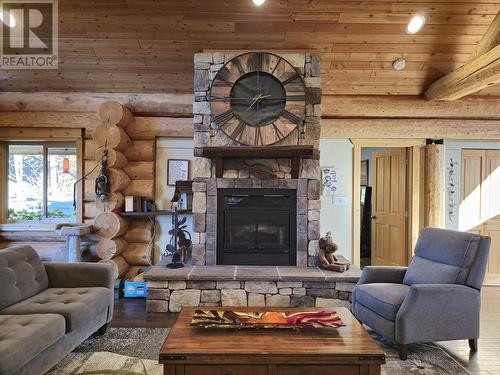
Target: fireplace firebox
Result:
[257, 227]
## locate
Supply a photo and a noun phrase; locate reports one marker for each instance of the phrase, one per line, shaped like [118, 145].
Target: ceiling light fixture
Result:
[416, 23]
[399, 63]
[259, 2]
[7, 19]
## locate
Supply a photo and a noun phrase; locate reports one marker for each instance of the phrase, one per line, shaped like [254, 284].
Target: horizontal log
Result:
[138, 254]
[119, 264]
[140, 170]
[112, 112]
[115, 159]
[140, 188]
[139, 231]
[160, 105]
[110, 225]
[89, 149]
[116, 201]
[143, 128]
[111, 137]
[140, 151]
[118, 180]
[410, 128]
[348, 106]
[108, 249]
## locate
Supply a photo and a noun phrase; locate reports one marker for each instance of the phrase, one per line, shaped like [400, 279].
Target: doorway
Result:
[387, 217]
[384, 205]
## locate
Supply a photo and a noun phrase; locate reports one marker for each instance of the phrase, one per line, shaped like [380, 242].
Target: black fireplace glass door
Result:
[256, 227]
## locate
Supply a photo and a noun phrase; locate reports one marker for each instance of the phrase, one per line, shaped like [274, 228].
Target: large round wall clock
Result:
[258, 99]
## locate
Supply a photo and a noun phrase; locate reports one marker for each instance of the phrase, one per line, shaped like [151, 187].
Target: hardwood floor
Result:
[132, 313]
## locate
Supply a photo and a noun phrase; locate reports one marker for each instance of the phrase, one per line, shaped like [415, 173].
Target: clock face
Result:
[258, 99]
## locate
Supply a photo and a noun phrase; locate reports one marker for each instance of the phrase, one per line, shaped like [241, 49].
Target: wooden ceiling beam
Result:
[481, 72]
[490, 40]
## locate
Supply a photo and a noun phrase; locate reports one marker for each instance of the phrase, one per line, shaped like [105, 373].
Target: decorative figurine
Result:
[326, 258]
[179, 242]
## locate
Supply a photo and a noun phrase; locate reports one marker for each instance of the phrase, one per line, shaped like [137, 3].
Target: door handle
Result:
[374, 217]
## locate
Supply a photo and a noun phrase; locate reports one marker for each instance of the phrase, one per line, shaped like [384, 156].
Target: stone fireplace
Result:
[285, 228]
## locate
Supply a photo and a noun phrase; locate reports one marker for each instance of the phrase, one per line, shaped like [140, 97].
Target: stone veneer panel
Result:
[236, 173]
[172, 295]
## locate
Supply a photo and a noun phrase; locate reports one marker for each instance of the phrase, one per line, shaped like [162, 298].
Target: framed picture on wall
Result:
[177, 170]
[364, 172]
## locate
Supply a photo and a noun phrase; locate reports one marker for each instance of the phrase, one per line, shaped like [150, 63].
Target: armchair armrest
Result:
[438, 312]
[382, 274]
[76, 275]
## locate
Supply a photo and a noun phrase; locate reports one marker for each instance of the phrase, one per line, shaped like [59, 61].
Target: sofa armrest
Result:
[76, 275]
[382, 274]
[438, 312]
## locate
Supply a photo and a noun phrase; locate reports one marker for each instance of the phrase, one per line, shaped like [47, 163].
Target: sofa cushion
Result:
[23, 337]
[22, 275]
[76, 305]
[382, 298]
[442, 257]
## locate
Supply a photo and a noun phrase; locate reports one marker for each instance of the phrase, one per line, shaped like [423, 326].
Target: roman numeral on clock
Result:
[276, 66]
[293, 78]
[294, 119]
[258, 136]
[278, 132]
[238, 132]
[239, 66]
[220, 98]
[223, 75]
[223, 118]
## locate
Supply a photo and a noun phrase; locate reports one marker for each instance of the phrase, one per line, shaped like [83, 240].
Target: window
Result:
[41, 178]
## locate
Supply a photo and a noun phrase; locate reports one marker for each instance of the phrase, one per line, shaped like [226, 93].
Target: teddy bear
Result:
[326, 258]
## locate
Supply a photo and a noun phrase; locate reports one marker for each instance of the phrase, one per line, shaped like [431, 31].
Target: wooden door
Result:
[389, 232]
[480, 202]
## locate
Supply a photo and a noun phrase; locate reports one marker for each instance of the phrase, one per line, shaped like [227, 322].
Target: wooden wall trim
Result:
[37, 134]
[410, 128]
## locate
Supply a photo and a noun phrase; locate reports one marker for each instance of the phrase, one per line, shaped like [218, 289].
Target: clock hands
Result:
[256, 99]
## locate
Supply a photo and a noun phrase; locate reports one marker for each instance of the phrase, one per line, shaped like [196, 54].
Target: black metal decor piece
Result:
[257, 227]
[179, 241]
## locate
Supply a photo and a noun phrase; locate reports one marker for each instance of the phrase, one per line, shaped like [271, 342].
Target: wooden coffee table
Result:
[347, 350]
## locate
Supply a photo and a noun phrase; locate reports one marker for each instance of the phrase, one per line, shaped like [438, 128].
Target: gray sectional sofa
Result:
[47, 309]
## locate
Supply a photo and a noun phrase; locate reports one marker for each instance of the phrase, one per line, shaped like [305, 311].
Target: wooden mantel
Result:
[296, 153]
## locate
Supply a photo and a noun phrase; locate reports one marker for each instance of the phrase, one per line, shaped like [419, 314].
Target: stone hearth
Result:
[212, 286]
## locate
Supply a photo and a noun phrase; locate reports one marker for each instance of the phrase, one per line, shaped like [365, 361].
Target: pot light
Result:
[259, 2]
[415, 24]
[7, 19]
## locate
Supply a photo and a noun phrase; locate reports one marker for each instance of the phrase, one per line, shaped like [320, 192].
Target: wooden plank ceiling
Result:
[147, 46]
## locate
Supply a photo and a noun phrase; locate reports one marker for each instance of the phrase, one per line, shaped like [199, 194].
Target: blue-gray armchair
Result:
[435, 298]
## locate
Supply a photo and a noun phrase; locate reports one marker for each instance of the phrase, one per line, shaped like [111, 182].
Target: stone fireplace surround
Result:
[205, 215]
[236, 171]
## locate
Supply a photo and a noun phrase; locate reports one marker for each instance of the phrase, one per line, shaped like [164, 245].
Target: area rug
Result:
[135, 351]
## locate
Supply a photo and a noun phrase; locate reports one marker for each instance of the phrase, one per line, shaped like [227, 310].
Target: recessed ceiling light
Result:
[7, 19]
[415, 24]
[259, 2]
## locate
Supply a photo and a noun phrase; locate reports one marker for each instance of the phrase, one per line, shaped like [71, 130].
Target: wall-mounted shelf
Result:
[296, 153]
[153, 213]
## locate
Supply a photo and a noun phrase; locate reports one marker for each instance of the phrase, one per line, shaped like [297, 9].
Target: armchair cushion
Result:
[79, 275]
[77, 305]
[382, 298]
[442, 257]
[423, 271]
